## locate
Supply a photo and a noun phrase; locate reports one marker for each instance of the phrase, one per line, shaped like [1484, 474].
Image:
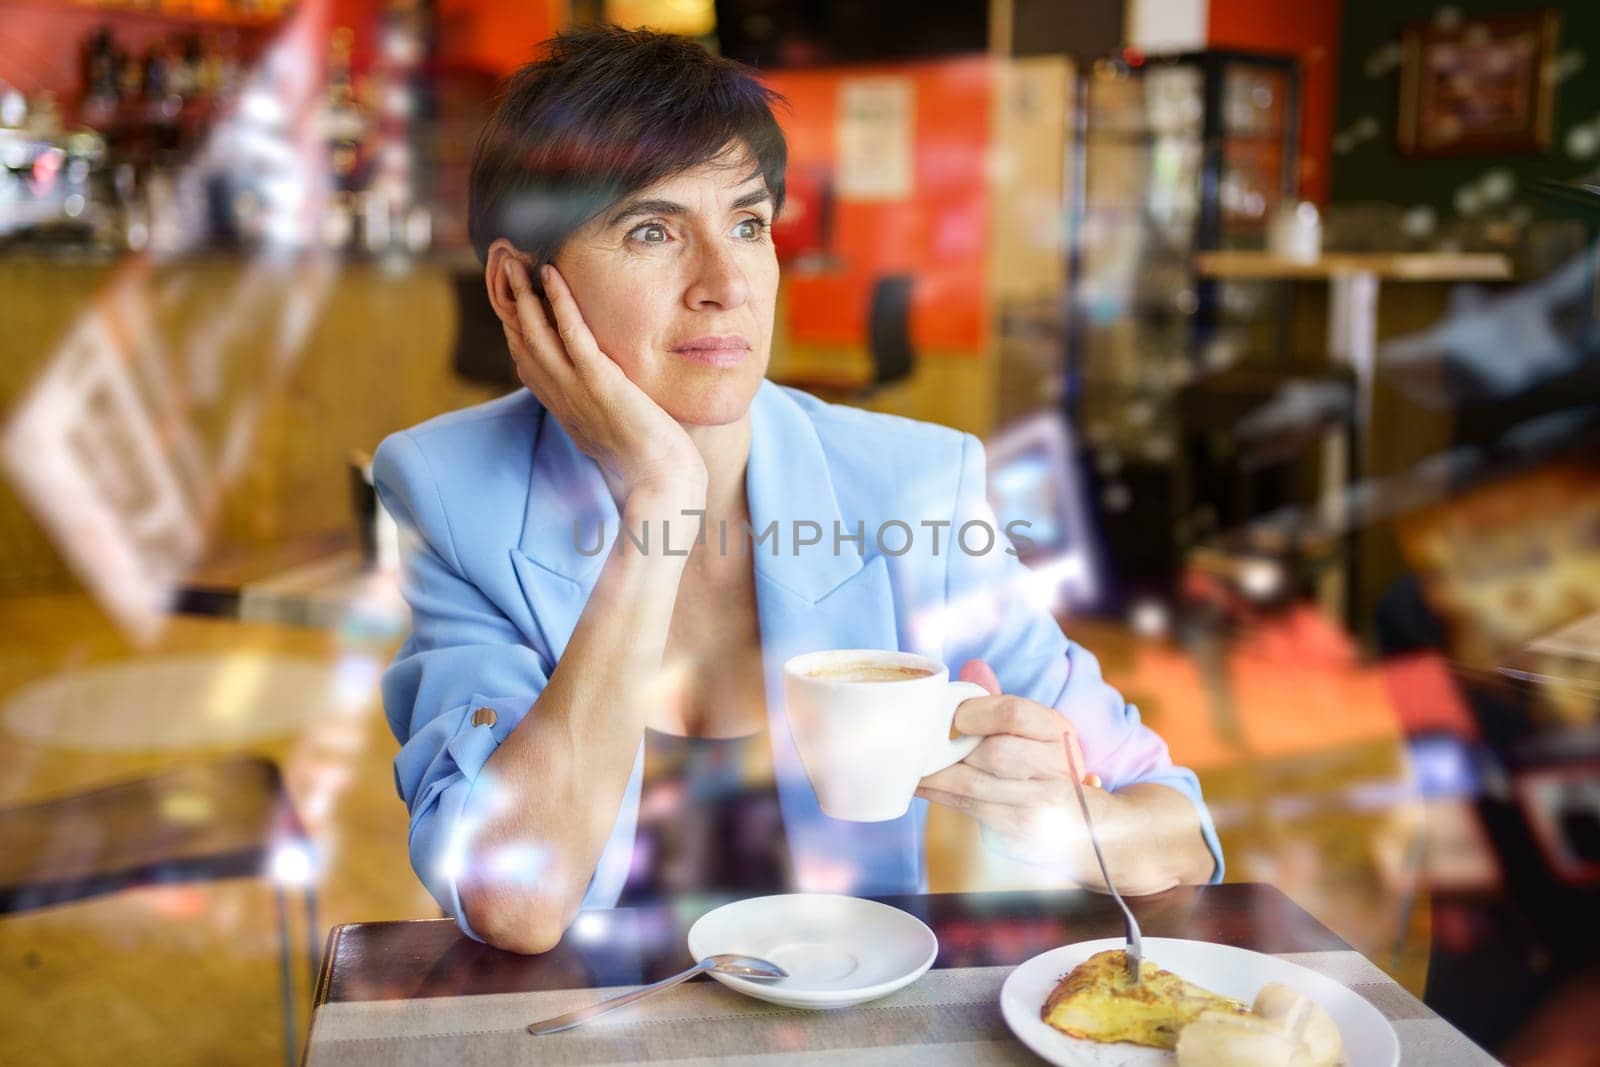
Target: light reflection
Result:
[355, 680]
[235, 685]
[188, 808]
[588, 927]
[977, 612]
[292, 864]
[453, 864]
[824, 874]
[1150, 618]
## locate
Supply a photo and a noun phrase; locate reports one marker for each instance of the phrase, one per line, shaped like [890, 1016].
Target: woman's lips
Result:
[727, 351]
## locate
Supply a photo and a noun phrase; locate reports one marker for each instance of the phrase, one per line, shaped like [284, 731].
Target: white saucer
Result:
[838, 950]
[1369, 1040]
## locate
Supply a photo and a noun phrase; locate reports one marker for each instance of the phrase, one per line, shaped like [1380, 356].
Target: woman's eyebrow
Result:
[646, 207]
[752, 198]
[635, 208]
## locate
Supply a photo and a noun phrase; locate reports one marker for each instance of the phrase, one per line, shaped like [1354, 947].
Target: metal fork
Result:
[1134, 952]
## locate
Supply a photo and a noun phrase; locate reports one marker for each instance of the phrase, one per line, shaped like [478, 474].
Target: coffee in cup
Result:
[866, 670]
[871, 724]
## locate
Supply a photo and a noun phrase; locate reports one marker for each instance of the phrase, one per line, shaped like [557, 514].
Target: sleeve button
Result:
[484, 717]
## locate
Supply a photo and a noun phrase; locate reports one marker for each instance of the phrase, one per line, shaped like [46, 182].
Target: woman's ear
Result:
[501, 297]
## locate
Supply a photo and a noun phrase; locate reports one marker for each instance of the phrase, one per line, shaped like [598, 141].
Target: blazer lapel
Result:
[809, 599]
[568, 525]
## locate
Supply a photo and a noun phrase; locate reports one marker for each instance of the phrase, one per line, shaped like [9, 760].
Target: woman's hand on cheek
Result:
[1015, 783]
[638, 445]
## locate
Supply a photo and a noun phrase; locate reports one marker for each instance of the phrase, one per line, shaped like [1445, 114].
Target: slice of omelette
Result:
[1097, 1002]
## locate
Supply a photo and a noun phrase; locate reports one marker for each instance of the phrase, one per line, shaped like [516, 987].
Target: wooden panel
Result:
[1389, 266]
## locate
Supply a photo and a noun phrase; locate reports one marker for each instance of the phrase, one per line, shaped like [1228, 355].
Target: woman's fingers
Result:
[537, 330]
[1019, 757]
[542, 364]
[981, 787]
[530, 371]
[1014, 715]
[576, 338]
[978, 672]
[1022, 738]
[1036, 827]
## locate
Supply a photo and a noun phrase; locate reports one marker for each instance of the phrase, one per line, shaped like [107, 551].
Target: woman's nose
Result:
[718, 280]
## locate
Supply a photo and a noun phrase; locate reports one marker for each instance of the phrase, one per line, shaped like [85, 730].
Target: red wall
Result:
[494, 37]
[1310, 30]
[938, 234]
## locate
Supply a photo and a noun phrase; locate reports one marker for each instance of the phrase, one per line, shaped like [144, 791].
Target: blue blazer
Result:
[497, 509]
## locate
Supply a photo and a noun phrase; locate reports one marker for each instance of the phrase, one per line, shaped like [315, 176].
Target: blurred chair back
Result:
[889, 329]
[479, 355]
[889, 349]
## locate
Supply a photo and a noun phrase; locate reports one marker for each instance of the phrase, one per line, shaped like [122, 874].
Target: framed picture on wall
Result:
[1480, 86]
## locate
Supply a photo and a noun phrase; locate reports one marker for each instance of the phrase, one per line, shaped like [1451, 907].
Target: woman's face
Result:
[678, 282]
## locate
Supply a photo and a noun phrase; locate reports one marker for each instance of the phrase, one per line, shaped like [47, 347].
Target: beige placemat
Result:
[947, 1017]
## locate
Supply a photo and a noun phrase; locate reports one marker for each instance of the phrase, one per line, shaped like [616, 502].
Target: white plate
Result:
[838, 950]
[1369, 1040]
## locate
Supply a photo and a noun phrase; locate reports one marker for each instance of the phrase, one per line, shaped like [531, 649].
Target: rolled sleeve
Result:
[461, 655]
[441, 766]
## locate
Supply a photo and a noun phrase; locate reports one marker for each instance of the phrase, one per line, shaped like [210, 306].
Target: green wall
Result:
[1367, 164]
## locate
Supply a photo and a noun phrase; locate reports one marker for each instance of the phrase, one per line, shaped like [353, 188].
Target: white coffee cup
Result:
[866, 744]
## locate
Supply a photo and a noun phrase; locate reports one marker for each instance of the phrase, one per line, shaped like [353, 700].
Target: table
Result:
[1353, 310]
[419, 992]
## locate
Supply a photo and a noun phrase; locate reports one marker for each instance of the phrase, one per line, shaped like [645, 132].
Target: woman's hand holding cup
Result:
[639, 447]
[1015, 783]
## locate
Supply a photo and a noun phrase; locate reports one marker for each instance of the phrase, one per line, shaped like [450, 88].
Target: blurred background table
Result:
[322, 581]
[1353, 280]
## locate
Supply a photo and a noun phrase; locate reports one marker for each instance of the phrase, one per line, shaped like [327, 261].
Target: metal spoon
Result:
[722, 963]
[1134, 952]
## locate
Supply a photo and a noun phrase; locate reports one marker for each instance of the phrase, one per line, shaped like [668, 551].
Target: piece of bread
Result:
[1097, 1002]
[1299, 1015]
[1223, 1039]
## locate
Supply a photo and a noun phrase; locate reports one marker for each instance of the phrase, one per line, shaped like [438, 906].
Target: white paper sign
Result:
[876, 134]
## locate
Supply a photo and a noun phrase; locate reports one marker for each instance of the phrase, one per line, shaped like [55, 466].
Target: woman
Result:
[621, 200]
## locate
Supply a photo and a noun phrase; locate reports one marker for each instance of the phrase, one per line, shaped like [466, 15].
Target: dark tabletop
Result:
[195, 821]
[627, 946]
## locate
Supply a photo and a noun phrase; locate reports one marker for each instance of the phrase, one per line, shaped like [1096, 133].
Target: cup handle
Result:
[954, 749]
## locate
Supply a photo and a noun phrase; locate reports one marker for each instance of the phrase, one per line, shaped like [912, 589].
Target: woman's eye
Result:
[651, 233]
[751, 229]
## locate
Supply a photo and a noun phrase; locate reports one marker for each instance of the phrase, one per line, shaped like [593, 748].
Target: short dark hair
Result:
[605, 113]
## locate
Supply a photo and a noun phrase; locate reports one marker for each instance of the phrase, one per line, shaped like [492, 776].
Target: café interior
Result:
[1278, 322]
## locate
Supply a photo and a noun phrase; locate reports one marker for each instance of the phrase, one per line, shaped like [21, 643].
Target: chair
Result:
[479, 355]
[888, 345]
[889, 329]
[196, 823]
